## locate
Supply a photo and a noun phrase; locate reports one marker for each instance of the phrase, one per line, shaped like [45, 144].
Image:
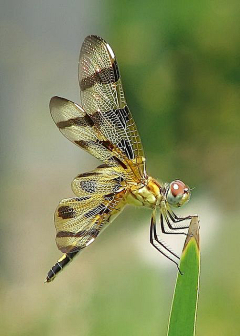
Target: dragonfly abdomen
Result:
[60, 264]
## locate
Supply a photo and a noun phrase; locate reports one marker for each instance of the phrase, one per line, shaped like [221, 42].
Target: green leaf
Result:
[184, 306]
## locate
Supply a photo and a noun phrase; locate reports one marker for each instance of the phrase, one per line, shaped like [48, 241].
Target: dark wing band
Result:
[79, 220]
[103, 99]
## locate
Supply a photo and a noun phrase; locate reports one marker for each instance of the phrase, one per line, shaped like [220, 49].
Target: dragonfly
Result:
[104, 127]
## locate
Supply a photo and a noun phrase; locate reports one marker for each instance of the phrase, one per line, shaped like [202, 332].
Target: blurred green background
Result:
[179, 62]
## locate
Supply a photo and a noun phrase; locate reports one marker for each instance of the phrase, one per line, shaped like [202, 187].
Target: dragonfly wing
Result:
[80, 128]
[79, 220]
[103, 98]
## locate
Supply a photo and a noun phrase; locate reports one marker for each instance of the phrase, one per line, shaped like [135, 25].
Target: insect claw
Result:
[180, 270]
[189, 235]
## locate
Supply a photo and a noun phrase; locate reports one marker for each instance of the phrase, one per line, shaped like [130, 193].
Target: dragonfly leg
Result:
[154, 239]
[171, 228]
[171, 225]
[175, 218]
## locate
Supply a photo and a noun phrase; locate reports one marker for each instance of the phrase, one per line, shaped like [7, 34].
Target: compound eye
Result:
[178, 193]
[178, 188]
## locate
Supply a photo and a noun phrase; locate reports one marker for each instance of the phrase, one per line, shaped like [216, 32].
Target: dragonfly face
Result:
[104, 127]
[177, 193]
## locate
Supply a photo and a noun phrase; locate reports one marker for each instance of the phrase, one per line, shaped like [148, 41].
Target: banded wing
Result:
[79, 220]
[77, 126]
[103, 99]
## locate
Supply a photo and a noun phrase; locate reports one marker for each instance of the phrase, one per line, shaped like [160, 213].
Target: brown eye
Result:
[178, 193]
[178, 188]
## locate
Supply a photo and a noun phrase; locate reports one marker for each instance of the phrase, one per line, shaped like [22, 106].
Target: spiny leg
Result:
[175, 218]
[170, 226]
[154, 237]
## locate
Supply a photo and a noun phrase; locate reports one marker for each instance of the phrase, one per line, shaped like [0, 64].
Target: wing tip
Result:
[93, 39]
[56, 101]
[96, 37]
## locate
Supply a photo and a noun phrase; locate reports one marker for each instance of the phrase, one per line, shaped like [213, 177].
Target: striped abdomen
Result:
[60, 264]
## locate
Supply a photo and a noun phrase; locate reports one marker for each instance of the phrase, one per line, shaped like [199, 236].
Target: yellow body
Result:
[104, 127]
[148, 195]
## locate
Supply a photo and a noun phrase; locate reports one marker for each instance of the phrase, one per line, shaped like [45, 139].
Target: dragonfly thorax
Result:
[148, 195]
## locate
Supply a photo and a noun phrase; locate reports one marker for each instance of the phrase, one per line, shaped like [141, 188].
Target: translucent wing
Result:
[79, 220]
[80, 128]
[103, 99]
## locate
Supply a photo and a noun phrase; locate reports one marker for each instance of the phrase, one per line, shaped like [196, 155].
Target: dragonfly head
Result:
[177, 193]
